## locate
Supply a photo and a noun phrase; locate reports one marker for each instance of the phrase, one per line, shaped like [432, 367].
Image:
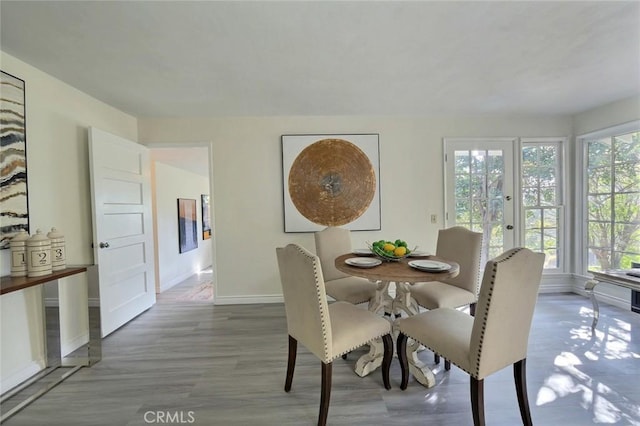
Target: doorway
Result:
[182, 172]
[479, 190]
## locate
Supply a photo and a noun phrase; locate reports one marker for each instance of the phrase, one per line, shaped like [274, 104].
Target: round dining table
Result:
[403, 276]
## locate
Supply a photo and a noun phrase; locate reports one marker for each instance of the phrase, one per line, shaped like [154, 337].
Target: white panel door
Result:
[122, 227]
[479, 190]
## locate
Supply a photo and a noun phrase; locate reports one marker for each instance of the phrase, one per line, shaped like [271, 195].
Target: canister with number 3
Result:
[58, 256]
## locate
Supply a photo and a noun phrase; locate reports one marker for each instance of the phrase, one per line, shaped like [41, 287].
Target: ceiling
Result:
[297, 58]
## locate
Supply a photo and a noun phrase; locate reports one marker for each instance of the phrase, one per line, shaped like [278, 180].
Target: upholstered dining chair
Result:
[463, 246]
[332, 242]
[326, 330]
[495, 338]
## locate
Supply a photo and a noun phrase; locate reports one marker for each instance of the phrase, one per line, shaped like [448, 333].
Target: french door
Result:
[479, 190]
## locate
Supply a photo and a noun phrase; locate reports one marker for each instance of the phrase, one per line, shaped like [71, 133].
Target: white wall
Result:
[58, 181]
[247, 182]
[173, 266]
[609, 115]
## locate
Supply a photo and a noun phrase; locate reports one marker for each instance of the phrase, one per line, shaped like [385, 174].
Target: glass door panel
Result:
[479, 191]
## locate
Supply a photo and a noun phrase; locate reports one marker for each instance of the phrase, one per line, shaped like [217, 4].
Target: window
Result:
[541, 185]
[612, 202]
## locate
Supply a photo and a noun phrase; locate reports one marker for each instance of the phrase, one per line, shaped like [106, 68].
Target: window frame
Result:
[563, 236]
[582, 253]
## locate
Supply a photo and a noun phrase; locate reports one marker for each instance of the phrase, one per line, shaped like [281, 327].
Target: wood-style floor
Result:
[195, 363]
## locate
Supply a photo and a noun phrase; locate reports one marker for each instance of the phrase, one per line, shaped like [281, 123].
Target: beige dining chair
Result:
[327, 330]
[462, 246]
[495, 338]
[332, 242]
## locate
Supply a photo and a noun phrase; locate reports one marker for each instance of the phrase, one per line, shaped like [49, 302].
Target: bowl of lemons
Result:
[390, 250]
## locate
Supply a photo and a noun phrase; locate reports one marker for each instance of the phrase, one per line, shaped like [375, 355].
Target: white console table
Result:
[617, 277]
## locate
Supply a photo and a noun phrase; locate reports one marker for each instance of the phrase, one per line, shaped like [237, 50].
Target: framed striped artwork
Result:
[14, 202]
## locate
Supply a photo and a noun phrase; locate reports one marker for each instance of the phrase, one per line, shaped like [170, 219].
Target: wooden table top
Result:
[398, 271]
[10, 284]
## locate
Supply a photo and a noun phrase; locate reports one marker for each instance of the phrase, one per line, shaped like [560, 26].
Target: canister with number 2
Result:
[38, 255]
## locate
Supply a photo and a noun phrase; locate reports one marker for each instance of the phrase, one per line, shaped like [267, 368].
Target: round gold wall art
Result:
[332, 182]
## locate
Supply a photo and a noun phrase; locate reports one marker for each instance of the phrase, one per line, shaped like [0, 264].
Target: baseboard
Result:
[604, 297]
[550, 287]
[553, 287]
[557, 283]
[175, 281]
[67, 347]
[20, 376]
[51, 302]
[248, 300]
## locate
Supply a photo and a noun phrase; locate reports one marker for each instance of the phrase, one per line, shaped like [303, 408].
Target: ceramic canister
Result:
[38, 255]
[58, 255]
[18, 245]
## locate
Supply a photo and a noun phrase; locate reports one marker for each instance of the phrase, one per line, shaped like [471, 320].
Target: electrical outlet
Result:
[434, 218]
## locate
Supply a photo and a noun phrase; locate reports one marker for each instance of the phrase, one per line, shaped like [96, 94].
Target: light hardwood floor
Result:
[196, 363]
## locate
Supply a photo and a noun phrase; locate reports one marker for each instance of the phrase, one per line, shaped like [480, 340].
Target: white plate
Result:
[363, 262]
[418, 253]
[429, 265]
[362, 252]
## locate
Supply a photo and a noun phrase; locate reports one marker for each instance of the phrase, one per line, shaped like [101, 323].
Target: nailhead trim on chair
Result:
[325, 314]
[484, 319]
[478, 278]
[433, 350]
[356, 347]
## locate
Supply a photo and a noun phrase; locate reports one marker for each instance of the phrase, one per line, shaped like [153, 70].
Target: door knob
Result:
[104, 245]
[508, 227]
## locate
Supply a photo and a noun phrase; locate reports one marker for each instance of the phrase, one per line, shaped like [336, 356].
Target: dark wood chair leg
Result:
[401, 348]
[520, 376]
[325, 394]
[291, 363]
[477, 401]
[447, 363]
[386, 361]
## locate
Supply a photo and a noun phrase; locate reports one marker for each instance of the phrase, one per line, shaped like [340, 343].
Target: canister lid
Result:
[20, 237]
[38, 237]
[54, 234]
